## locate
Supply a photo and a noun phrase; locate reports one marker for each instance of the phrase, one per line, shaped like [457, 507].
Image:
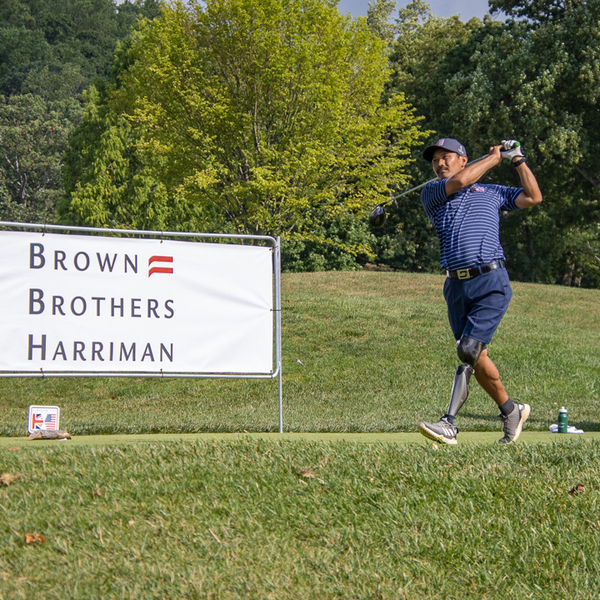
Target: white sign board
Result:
[78, 303]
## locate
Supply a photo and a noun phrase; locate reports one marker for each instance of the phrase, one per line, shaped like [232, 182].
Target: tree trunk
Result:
[589, 176]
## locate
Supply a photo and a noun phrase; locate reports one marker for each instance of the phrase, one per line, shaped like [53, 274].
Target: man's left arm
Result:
[531, 194]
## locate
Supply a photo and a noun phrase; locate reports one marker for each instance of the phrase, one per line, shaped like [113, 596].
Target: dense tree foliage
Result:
[254, 117]
[33, 138]
[49, 52]
[379, 16]
[42, 38]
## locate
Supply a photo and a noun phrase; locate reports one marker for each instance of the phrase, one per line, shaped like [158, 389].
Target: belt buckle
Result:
[462, 273]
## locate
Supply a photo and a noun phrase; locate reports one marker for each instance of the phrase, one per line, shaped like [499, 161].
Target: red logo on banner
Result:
[160, 259]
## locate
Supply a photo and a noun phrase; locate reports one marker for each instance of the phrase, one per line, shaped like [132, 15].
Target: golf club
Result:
[378, 214]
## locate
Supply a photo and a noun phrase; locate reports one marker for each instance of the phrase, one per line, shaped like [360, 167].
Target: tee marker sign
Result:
[43, 418]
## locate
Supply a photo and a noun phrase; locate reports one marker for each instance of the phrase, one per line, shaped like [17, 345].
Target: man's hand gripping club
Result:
[511, 150]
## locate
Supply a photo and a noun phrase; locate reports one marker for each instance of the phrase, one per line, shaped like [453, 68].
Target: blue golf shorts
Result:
[476, 306]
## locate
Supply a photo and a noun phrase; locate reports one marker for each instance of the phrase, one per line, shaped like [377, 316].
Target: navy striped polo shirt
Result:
[468, 222]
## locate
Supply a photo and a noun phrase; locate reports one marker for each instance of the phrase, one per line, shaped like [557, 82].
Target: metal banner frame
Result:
[275, 243]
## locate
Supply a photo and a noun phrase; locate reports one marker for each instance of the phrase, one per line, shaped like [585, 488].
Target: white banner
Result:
[76, 303]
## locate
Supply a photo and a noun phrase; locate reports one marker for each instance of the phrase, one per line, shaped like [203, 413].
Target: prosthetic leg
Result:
[444, 430]
[468, 351]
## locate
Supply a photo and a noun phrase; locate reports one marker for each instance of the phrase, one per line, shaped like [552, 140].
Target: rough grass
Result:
[296, 520]
[362, 351]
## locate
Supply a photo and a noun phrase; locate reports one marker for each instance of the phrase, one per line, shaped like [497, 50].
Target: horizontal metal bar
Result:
[44, 374]
[139, 232]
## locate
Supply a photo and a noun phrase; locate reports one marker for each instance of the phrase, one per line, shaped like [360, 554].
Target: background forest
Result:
[284, 117]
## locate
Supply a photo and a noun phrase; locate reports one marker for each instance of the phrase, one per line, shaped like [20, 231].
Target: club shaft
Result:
[422, 185]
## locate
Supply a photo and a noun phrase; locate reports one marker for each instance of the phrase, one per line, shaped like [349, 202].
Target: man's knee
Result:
[469, 350]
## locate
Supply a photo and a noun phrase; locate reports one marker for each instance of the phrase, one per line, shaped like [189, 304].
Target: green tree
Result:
[536, 10]
[108, 185]
[38, 35]
[33, 138]
[379, 19]
[49, 52]
[421, 49]
[246, 116]
[419, 53]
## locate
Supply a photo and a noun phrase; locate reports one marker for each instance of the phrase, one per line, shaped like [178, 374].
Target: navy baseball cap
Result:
[444, 144]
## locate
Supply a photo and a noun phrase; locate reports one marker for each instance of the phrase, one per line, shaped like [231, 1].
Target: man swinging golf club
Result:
[466, 217]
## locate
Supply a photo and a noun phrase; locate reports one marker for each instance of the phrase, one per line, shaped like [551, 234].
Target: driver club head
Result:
[377, 216]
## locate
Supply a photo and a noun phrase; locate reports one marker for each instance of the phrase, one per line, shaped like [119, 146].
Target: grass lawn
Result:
[279, 520]
[315, 513]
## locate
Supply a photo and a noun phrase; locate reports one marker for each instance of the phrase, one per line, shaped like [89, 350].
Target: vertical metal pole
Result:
[278, 351]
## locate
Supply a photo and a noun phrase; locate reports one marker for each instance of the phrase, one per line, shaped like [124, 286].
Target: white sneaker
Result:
[443, 431]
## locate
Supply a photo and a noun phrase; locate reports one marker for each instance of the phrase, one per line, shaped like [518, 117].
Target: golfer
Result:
[466, 217]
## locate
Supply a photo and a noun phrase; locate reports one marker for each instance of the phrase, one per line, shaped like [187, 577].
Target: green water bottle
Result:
[563, 420]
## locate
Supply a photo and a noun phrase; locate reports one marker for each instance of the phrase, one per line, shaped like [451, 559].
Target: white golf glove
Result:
[511, 149]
